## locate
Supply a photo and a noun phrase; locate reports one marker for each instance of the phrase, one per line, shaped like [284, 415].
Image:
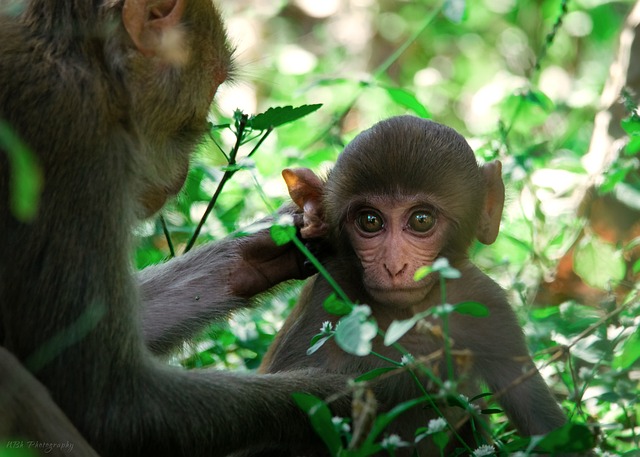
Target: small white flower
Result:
[326, 327]
[436, 425]
[341, 424]
[393, 442]
[448, 387]
[407, 359]
[485, 449]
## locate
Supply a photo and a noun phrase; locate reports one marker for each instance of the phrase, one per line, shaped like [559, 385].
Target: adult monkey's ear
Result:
[305, 189]
[489, 224]
[148, 22]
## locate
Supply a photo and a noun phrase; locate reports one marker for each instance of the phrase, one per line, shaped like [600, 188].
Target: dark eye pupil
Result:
[422, 221]
[369, 222]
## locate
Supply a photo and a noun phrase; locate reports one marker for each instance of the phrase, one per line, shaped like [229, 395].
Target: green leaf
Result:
[568, 438]
[422, 272]
[454, 10]
[472, 308]
[355, 331]
[628, 194]
[441, 265]
[408, 100]
[373, 374]
[630, 352]
[598, 263]
[317, 342]
[277, 116]
[539, 98]
[440, 439]
[282, 234]
[633, 145]
[397, 330]
[320, 417]
[631, 125]
[26, 177]
[383, 420]
[336, 306]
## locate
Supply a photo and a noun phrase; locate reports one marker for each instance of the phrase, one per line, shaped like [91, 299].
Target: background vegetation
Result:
[522, 80]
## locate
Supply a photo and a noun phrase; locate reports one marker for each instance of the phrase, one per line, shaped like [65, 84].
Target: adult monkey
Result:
[402, 194]
[112, 96]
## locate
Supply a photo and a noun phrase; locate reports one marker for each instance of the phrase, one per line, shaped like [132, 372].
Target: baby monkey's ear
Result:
[306, 191]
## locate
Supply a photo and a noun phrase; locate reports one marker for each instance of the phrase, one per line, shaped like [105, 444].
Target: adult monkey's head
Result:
[171, 56]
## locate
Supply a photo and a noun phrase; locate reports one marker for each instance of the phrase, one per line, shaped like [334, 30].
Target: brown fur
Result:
[406, 161]
[112, 97]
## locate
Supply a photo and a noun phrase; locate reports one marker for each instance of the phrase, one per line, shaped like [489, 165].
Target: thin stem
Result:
[242, 123]
[167, 236]
[325, 274]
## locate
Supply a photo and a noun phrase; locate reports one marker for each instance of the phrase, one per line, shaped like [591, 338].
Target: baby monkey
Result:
[402, 194]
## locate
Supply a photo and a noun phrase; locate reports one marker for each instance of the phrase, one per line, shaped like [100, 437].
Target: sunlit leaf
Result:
[422, 272]
[317, 342]
[542, 100]
[630, 352]
[628, 194]
[407, 99]
[282, 234]
[280, 115]
[355, 331]
[598, 263]
[454, 10]
[397, 330]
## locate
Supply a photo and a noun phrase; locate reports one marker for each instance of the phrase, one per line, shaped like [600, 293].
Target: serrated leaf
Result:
[282, 234]
[405, 98]
[598, 263]
[277, 116]
[320, 417]
[630, 352]
[336, 306]
[472, 308]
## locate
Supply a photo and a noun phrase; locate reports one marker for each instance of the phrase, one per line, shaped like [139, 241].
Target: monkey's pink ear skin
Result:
[489, 224]
[146, 24]
[305, 189]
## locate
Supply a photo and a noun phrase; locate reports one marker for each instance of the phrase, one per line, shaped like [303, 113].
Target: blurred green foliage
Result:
[522, 80]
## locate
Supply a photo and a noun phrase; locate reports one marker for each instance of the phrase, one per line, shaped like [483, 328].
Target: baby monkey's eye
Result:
[422, 221]
[369, 221]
